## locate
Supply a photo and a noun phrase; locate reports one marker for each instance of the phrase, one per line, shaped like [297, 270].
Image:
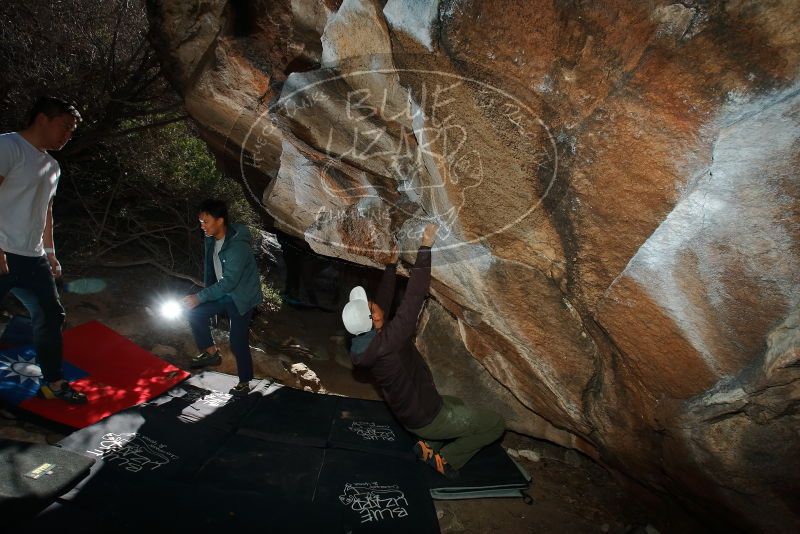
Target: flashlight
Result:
[171, 309]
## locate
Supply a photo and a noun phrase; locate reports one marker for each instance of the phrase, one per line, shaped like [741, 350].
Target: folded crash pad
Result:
[32, 475]
[490, 473]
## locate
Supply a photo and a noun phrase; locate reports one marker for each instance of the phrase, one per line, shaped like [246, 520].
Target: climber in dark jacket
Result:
[233, 287]
[451, 432]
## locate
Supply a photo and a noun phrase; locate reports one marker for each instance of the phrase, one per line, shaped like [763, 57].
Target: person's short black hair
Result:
[52, 107]
[214, 207]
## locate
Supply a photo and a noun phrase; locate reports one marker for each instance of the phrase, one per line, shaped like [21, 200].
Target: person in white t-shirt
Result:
[28, 264]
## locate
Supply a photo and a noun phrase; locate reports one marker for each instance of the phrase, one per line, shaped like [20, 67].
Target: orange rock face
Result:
[617, 189]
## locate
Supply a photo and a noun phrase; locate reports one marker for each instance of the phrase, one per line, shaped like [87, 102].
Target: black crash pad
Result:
[206, 397]
[289, 415]
[139, 447]
[275, 469]
[32, 475]
[281, 459]
[369, 426]
[182, 507]
[359, 492]
[66, 513]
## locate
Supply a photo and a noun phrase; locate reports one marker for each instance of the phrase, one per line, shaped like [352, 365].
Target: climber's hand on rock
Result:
[429, 235]
[395, 255]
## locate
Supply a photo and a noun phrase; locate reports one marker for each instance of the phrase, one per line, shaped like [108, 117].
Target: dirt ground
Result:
[304, 347]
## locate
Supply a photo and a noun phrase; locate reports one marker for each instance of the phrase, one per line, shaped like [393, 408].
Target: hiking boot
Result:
[206, 358]
[65, 393]
[423, 451]
[241, 389]
[441, 466]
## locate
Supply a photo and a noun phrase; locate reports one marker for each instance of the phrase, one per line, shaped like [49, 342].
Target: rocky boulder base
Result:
[617, 185]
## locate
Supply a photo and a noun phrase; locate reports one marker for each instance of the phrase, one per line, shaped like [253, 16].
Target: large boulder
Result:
[617, 188]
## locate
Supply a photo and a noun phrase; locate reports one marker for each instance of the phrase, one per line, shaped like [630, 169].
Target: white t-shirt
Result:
[31, 178]
[218, 264]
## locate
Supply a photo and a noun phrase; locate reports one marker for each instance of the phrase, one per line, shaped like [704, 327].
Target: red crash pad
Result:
[120, 374]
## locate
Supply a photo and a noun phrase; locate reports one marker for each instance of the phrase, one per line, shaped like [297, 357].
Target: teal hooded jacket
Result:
[240, 277]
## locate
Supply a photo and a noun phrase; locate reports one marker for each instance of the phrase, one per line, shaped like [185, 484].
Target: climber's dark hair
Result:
[214, 207]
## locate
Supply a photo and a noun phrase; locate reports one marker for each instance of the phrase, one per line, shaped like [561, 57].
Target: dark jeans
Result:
[240, 332]
[32, 282]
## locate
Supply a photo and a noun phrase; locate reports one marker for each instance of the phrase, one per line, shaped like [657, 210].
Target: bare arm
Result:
[47, 236]
[49, 244]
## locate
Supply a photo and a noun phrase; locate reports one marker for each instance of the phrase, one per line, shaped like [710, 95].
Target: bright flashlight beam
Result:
[171, 309]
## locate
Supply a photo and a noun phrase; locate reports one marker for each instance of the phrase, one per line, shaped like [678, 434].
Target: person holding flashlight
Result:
[28, 265]
[451, 433]
[233, 286]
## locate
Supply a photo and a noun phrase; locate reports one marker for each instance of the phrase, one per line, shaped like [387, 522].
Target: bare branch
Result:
[157, 124]
[136, 236]
[108, 206]
[83, 203]
[158, 266]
